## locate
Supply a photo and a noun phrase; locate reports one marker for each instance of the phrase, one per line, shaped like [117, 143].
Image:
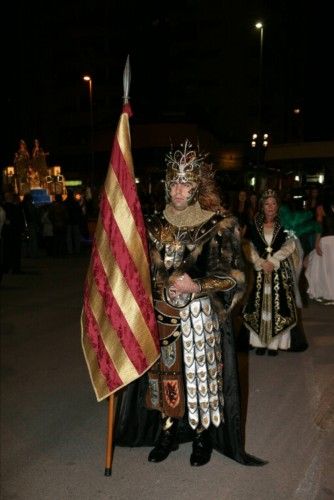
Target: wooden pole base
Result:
[110, 431]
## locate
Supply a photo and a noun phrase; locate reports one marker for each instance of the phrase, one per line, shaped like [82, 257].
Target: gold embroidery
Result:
[260, 319]
[266, 318]
[253, 318]
[216, 284]
[281, 322]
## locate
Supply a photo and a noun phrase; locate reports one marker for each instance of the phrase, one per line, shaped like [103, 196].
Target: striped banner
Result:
[118, 327]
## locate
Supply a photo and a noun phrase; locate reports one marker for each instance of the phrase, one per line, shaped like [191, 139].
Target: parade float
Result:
[30, 173]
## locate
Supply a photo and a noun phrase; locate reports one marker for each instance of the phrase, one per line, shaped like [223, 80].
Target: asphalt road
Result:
[53, 430]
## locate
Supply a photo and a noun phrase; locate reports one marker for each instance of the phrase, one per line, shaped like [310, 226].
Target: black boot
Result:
[260, 351]
[202, 449]
[167, 442]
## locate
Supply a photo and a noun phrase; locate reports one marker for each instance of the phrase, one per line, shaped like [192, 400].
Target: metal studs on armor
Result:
[201, 342]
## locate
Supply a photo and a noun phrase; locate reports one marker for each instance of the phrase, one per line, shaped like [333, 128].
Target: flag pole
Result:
[110, 432]
[112, 398]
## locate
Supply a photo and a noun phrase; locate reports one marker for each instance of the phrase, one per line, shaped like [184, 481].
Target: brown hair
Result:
[209, 195]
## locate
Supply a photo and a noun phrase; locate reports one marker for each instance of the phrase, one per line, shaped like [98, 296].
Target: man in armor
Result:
[195, 265]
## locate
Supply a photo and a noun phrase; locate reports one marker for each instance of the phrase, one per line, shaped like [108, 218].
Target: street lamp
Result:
[259, 26]
[297, 125]
[259, 140]
[88, 79]
[259, 143]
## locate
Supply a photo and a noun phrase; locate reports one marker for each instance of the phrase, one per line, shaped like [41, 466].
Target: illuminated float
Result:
[30, 173]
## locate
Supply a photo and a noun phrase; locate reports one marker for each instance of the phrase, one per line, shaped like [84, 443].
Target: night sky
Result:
[191, 60]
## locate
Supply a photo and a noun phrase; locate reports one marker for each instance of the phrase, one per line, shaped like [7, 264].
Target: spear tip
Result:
[126, 80]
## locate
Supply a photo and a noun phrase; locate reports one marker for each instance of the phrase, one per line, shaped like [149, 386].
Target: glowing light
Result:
[10, 171]
[73, 183]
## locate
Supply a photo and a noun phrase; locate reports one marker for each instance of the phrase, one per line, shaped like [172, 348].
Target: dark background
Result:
[191, 61]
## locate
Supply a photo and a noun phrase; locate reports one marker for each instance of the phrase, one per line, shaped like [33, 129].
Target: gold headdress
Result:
[184, 164]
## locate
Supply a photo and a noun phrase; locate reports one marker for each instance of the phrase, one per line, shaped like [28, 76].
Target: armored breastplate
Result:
[175, 244]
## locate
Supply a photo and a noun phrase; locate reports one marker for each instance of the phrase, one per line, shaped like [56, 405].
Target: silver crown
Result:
[184, 164]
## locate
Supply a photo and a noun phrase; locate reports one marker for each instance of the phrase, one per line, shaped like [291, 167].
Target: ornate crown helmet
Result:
[184, 165]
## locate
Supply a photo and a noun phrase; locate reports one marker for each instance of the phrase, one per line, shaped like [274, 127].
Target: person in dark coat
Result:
[73, 224]
[59, 218]
[12, 234]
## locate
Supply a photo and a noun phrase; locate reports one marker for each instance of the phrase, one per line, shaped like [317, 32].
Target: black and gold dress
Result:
[270, 312]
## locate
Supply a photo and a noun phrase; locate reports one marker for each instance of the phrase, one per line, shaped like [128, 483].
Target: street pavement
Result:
[53, 430]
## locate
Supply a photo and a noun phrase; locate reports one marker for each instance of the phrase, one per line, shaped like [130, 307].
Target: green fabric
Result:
[301, 222]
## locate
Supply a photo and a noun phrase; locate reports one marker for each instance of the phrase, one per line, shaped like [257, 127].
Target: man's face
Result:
[181, 193]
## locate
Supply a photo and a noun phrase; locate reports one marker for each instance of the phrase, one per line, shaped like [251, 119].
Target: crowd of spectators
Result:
[57, 229]
[61, 228]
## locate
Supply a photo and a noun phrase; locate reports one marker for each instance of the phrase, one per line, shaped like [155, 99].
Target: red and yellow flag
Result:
[118, 326]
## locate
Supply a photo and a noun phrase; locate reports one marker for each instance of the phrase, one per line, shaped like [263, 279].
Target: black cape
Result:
[135, 425]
